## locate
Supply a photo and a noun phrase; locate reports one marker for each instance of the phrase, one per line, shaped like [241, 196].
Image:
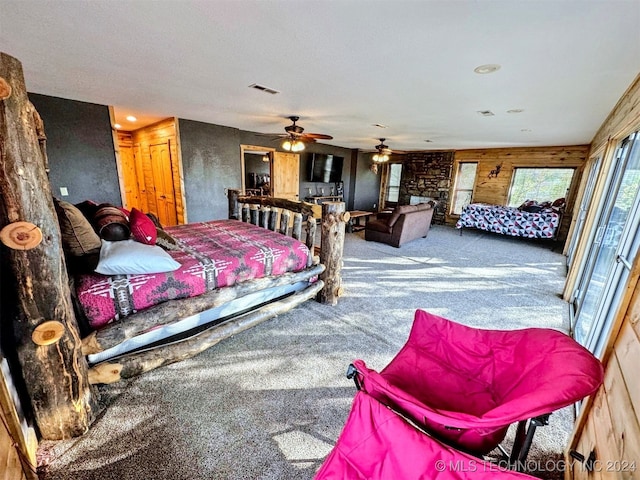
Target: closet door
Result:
[129, 177]
[615, 244]
[163, 183]
[142, 165]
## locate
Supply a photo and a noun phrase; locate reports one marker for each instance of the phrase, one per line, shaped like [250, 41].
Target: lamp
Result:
[293, 145]
[380, 157]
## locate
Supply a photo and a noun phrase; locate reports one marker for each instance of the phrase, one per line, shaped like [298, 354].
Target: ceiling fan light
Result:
[297, 146]
[287, 145]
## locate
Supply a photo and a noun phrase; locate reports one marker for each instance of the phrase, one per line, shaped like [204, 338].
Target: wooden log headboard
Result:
[265, 211]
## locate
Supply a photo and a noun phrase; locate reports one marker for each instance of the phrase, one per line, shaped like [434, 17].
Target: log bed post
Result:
[234, 210]
[334, 218]
[46, 336]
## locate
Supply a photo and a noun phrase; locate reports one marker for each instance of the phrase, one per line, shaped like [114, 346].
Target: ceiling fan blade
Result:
[320, 136]
[279, 135]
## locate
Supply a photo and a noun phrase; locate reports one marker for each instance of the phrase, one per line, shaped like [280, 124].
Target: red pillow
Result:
[142, 228]
[126, 212]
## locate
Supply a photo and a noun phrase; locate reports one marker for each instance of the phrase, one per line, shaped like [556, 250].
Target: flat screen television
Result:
[325, 168]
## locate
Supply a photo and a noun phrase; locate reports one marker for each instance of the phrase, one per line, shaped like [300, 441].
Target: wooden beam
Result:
[55, 375]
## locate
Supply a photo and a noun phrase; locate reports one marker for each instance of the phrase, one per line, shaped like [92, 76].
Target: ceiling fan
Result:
[383, 152]
[295, 137]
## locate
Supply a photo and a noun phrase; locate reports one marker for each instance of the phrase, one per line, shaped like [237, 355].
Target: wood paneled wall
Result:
[18, 443]
[609, 423]
[495, 190]
[610, 426]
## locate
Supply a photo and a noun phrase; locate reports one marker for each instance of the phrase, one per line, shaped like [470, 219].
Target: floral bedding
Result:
[212, 255]
[509, 220]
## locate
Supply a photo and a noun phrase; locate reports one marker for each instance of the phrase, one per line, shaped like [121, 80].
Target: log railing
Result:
[291, 217]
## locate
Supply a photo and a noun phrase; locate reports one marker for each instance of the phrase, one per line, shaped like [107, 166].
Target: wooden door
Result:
[129, 177]
[143, 191]
[285, 175]
[160, 155]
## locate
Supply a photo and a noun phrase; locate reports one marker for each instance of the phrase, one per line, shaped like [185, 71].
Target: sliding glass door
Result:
[585, 205]
[614, 247]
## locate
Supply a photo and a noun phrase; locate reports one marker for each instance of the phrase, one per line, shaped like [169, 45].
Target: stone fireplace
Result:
[428, 175]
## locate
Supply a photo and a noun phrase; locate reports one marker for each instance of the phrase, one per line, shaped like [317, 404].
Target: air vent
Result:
[262, 88]
[486, 113]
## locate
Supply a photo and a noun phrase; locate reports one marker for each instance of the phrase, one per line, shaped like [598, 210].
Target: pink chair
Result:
[378, 444]
[465, 386]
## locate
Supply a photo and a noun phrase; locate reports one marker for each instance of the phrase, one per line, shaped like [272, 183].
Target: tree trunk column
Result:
[45, 331]
[334, 217]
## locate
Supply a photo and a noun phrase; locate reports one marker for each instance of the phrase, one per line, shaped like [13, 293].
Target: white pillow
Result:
[128, 257]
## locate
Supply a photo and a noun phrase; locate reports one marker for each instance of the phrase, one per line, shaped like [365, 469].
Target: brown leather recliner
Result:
[405, 223]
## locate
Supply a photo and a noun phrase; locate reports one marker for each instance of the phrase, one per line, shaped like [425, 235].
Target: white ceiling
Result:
[341, 65]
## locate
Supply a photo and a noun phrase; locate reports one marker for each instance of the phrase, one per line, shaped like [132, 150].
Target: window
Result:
[463, 190]
[539, 184]
[393, 185]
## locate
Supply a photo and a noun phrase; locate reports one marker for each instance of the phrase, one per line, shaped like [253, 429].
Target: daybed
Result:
[403, 224]
[533, 221]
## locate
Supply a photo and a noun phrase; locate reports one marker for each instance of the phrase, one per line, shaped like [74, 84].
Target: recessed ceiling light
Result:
[379, 125]
[486, 113]
[117, 126]
[516, 110]
[488, 68]
[131, 118]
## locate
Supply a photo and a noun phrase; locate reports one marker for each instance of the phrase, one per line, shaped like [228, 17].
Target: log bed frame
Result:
[40, 314]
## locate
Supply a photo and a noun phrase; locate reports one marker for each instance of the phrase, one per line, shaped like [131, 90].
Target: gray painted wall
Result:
[367, 188]
[305, 158]
[250, 138]
[80, 149]
[82, 158]
[210, 163]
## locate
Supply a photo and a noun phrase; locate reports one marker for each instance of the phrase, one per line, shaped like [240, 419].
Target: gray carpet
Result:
[270, 402]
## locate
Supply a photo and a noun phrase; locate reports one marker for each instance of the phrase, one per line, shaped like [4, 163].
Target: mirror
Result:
[256, 170]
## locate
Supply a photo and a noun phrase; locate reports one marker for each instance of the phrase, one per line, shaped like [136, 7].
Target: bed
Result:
[231, 275]
[211, 256]
[517, 222]
[58, 363]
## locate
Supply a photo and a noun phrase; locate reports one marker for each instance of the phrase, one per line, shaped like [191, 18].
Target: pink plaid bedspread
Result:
[214, 254]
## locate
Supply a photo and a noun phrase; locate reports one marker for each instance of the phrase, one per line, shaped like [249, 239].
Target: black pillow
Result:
[533, 208]
[111, 223]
